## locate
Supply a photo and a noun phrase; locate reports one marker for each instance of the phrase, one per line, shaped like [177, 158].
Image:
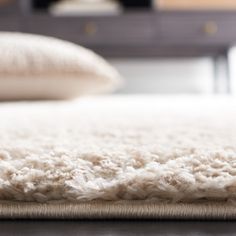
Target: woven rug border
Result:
[117, 210]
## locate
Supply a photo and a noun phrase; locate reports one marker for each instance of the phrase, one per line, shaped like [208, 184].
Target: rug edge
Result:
[118, 210]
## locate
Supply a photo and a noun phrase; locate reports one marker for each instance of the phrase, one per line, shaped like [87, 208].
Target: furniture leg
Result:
[222, 80]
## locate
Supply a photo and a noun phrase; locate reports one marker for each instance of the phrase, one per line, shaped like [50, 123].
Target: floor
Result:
[116, 228]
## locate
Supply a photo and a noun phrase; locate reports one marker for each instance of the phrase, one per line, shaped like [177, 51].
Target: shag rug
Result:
[119, 157]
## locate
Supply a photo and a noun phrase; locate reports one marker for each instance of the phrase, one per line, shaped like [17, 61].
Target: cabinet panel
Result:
[112, 30]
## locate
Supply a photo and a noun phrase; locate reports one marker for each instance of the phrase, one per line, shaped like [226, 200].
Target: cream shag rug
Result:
[119, 157]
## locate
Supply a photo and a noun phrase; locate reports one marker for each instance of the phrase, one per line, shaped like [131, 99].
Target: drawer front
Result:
[197, 30]
[93, 31]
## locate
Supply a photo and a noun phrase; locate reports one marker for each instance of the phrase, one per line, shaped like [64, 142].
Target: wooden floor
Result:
[116, 228]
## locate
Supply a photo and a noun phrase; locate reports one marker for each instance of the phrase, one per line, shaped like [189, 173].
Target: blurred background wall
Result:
[166, 75]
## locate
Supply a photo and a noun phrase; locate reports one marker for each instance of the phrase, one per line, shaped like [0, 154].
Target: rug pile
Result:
[108, 154]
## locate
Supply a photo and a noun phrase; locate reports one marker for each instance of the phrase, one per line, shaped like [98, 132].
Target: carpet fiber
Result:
[143, 156]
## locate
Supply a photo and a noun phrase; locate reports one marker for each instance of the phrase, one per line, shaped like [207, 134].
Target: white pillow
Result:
[40, 67]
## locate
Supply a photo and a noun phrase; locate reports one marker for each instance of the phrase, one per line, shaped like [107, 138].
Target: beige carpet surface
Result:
[158, 150]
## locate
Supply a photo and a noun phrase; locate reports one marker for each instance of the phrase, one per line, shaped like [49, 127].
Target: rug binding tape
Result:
[117, 210]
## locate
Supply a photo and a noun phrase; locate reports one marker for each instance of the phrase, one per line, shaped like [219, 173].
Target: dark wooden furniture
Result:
[137, 34]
